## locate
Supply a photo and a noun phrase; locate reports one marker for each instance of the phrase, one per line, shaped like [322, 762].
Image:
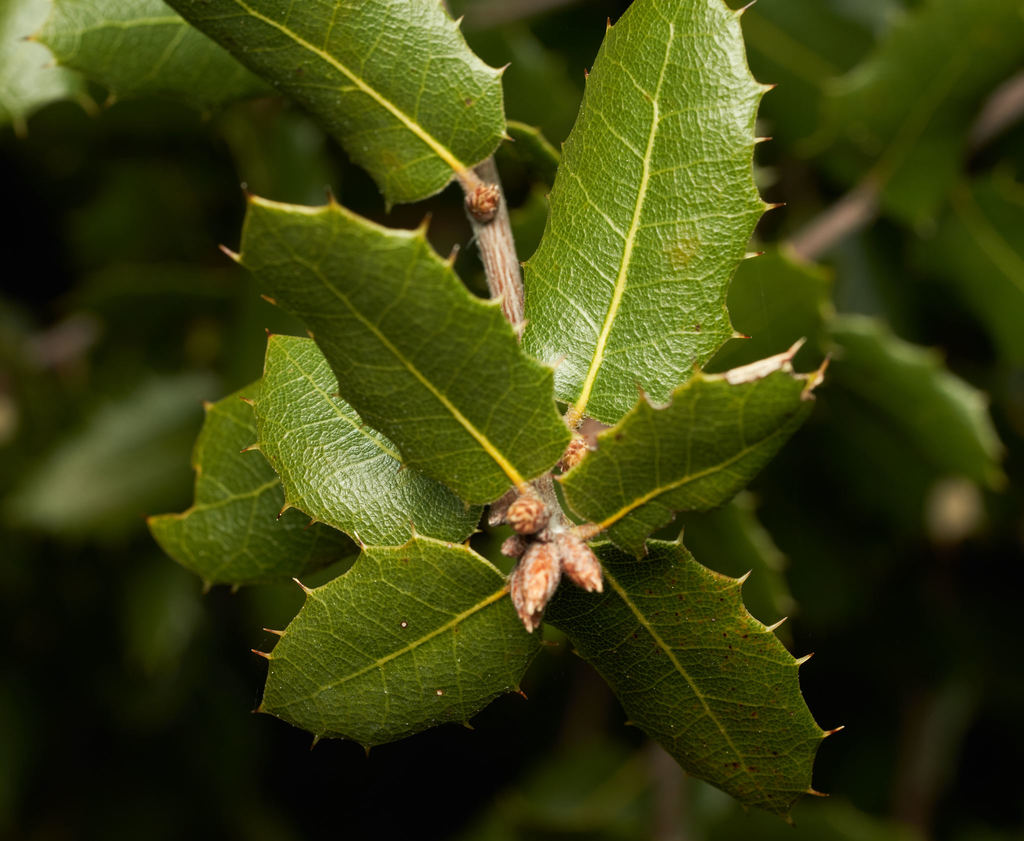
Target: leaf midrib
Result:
[439, 149]
[579, 407]
[670, 653]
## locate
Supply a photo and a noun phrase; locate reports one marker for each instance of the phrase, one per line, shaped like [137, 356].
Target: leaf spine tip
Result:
[231, 255]
[801, 660]
[826, 733]
[758, 140]
[265, 655]
[274, 632]
[302, 586]
[366, 750]
[768, 88]
[248, 401]
[586, 75]
[207, 586]
[815, 379]
[740, 11]
[813, 792]
[207, 405]
[773, 206]
[250, 448]
[742, 579]
[519, 691]
[771, 629]
[468, 726]
[750, 255]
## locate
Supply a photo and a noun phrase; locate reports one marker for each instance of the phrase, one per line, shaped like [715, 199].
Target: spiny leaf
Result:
[435, 369]
[691, 455]
[980, 247]
[142, 48]
[28, 80]
[410, 637]
[911, 114]
[335, 468]
[695, 671]
[651, 211]
[232, 533]
[392, 80]
[936, 413]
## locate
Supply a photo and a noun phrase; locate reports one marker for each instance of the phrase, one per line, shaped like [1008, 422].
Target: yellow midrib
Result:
[690, 477]
[376, 664]
[443, 152]
[578, 408]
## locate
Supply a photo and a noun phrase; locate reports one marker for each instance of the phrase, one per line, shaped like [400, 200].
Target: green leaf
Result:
[528, 146]
[651, 211]
[410, 637]
[776, 300]
[935, 412]
[124, 461]
[28, 81]
[392, 80]
[335, 468]
[142, 48]
[435, 369]
[692, 454]
[979, 247]
[695, 671]
[232, 533]
[910, 114]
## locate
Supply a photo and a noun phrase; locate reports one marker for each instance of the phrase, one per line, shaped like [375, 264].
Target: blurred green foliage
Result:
[122, 707]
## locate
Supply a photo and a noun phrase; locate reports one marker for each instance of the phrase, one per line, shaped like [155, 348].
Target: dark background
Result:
[124, 692]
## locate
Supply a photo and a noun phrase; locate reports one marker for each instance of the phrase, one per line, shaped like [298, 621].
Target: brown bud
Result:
[533, 582]
[499, 508]
[514, 546]
[579, 562]
[574, 453]
[482, 202]
[527, 515]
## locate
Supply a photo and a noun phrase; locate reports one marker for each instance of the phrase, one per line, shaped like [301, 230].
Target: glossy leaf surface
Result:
[142, 48]
[436, 370]
[232, 534]
[335, 468]
[651, 210]
[695, 671]
[693, 454]
[410, 637]
[392, 80]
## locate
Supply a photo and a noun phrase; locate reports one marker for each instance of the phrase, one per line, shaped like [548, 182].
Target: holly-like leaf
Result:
[28, 79]
[142, 48]
[692, 454]
[335, 468]
[435, 369]
[232, 533]
[979, 247]
[651, 210]
[410, 637]
[909, 115]
[392, 80]
[933, 411]
[695, 671]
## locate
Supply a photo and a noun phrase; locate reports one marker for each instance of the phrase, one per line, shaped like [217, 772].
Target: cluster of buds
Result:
[546, 547]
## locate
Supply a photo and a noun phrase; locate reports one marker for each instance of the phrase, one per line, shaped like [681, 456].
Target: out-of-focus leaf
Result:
[160, 615]
[908, 113]
[733, 542]
[28, 80]
[232, 533]
[935, 412]
[775, 300]
[411, 637]
[979, 247]
[125, 460]
[693, 454]
[531, 148]
[651, 211]
[695, 671]
[813, 820]
[392, 80]
[435, 369]
[142, 48]
[335, 468]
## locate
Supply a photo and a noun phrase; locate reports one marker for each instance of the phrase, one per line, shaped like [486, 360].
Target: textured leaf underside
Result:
[695, 671]
[392, 80]
[651, 211]
[410, 637]
[232, 534]
[691, 455]
[334, 467]
[142, 48]
[435, 369]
